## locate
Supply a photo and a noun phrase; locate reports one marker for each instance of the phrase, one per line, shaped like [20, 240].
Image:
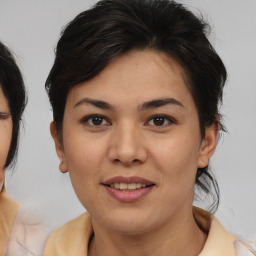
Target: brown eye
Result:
[4, 115]
[160, 121]
[95, 121]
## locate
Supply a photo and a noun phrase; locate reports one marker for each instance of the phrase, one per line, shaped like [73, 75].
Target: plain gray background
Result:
[31, 29]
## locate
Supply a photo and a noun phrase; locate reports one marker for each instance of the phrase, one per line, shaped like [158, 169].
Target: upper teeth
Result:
[130, 186]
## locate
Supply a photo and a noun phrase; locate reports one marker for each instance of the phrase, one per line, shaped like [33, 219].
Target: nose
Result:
[127, 146]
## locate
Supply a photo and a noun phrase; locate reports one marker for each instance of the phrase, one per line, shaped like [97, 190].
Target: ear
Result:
[59, 148]
[208, 145]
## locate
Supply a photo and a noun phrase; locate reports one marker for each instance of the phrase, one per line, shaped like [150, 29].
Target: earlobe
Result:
[59, 148]
[208, 145]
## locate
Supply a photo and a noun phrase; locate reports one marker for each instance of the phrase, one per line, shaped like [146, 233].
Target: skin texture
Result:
[129, 143]
[5, 134]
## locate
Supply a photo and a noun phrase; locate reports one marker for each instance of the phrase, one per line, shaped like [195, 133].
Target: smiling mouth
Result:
[128, 186]
[128, 189]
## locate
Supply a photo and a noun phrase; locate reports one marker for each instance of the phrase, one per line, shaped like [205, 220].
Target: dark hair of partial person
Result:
[112, 28]
[12, 85]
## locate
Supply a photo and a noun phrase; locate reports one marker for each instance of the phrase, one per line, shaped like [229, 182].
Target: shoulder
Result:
[8, 211]
[28, 235]
[219, 241]
[80, 224]
[70, 239]
[243, 249]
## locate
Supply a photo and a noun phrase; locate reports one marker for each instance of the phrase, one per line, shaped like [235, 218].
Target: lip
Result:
[128, 196]
[132, 179]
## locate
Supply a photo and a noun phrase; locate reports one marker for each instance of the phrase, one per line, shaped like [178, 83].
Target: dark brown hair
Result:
[12, 85]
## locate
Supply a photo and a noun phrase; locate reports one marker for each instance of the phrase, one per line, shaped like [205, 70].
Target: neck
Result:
[178, 237]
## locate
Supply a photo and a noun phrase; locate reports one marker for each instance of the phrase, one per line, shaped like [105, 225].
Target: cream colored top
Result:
[8, 211]
[72, 239]
[21, 234]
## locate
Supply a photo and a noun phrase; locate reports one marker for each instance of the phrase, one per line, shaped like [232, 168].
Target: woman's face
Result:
[5, 134]
[132, 143]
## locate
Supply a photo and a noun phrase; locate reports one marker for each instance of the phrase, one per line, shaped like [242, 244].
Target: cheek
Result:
[176, 159]
[83, 153]
[4, 149]
[84, 158]
[5, 138]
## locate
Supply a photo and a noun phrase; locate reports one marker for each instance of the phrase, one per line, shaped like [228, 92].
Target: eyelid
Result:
[85, 119]
[170, 119]
[4, 115]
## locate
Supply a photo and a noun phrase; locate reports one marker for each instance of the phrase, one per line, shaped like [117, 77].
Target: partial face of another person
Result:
[5, 134]
[132, 143]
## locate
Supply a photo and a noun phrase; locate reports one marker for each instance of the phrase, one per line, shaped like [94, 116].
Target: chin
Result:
[128, 222]
[129, 227]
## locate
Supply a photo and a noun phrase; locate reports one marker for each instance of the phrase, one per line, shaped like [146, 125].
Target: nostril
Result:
[126, 162]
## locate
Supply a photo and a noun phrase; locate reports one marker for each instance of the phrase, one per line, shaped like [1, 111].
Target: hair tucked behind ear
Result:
[207, 188]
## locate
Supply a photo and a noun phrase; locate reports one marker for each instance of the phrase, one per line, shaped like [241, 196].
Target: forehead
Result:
[136, 74]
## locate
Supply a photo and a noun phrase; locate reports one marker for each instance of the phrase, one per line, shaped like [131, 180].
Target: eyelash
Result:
[4, 115]
[159, 116]
[169, 119]
[87, 118]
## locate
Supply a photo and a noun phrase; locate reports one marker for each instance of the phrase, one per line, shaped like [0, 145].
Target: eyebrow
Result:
[160, 103]
[96, 103]
[147, 105]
